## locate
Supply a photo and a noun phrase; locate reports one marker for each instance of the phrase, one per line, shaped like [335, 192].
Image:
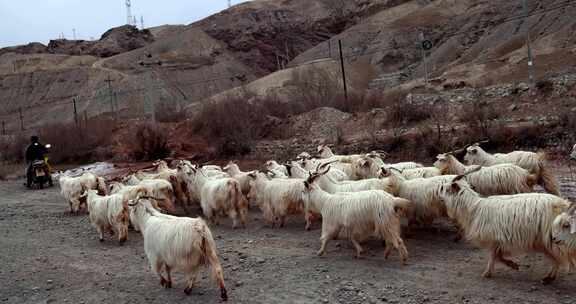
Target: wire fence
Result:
[109, 100]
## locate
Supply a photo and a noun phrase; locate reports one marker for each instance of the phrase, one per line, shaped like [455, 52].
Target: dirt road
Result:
[47, 256]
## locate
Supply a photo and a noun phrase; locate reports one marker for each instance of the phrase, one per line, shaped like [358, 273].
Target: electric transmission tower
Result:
[129, 12]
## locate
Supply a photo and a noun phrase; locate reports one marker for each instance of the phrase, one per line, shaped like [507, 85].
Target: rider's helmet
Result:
[34, 139]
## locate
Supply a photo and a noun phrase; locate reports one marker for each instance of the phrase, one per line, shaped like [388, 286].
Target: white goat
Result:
[242, 177]
[160, 189]
[331, 186]
[108, 213]
[277, 198]
[218, 196]
[535, 163]
[281, 171]
[339, 171]
[72, 188]
[325, 152]
[358, 216]
[507, 224]
[564, 230]
[424, 193]
[494, 180]
[370, 167]
[177, 243]
[573, 153]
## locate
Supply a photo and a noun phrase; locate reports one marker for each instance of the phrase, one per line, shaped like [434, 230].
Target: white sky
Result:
[24, 21]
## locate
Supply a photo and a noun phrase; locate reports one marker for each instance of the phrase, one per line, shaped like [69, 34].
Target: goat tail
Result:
[403, 207]
[208, 247]
[546, 178]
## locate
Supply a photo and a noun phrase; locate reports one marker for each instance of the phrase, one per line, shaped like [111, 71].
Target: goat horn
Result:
[459, 177]
[396, 169]
[320, 166]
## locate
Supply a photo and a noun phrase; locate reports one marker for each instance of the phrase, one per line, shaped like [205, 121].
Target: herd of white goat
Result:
[358, 197]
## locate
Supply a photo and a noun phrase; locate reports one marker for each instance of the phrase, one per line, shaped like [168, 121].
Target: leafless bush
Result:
[402, 111]
[479, 117]
[12, 148]
[545, 86]
[233, 123]
[149, 142]
[72, 143]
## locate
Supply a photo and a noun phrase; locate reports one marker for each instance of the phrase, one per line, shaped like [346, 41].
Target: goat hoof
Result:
[487, 275]
[163, 283]
[188, 291]
[224, 294]
[513, 265]
[101, 240]
[547, 280]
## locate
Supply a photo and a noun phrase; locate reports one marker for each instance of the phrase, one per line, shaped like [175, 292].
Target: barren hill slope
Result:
[475, 42]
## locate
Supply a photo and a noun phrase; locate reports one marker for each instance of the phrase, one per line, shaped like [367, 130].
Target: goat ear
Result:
[455, 187]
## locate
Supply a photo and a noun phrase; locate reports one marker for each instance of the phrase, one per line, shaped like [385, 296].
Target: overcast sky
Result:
[23, 21]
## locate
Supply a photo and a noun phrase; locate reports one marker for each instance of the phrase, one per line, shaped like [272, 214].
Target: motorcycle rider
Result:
[35, 151]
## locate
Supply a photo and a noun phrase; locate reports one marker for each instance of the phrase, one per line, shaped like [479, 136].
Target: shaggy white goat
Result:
[424, 193]
[339, 171]
[507, 224]
[108, 213]
[279, 170]
[494, 180]
[331, 186]
[177, 243]
[358, 216]
[370, 167]
[72, 188]
[277, 198]
[535, 163]
[160, 189]
[242, 177]
[218, 196]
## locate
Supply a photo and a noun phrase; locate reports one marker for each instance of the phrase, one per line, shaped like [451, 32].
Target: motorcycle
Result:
[41, 172]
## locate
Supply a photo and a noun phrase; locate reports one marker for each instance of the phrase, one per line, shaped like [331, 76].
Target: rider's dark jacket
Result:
[35, 151]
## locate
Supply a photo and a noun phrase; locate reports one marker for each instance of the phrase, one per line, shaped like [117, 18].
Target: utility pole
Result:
[528, 45]
[21, 119]
[75, 112]
[343, 71]
[74, 33]
[110, 93]
[424, 58]
[141, 22]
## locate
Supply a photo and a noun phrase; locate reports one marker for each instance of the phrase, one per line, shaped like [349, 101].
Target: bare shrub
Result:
[314, 87]
[12, 148]
[148, 142]
[479, 117]
[71, 143]
[545, 86]
[233, 123]
[402, 111]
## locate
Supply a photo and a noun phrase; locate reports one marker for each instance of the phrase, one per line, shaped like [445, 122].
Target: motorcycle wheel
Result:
[41, 185]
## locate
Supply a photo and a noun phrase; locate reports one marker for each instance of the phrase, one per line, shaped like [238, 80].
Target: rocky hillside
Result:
[473, 43]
